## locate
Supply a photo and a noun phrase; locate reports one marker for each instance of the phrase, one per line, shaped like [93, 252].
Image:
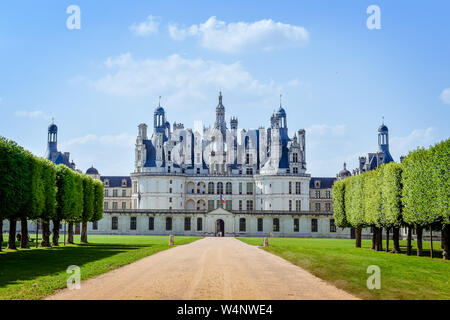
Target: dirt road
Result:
[211, 268]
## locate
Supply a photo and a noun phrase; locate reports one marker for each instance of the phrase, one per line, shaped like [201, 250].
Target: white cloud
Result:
[417, 138]
[31, 114]
[324, 129]
[111, 154]
[147, 27]
[180, 80]
[445, 96]
[241, 36]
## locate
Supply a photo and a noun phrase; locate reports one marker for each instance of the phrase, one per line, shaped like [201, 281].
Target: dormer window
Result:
[124, 183]
[106, 183]
[317, 184]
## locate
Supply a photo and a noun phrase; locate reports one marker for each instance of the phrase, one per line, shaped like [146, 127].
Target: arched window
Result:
[211, 188]
[229, 188]
[219, 188]
[242, 225]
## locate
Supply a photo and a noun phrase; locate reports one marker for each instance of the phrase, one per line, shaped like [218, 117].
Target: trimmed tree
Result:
[440, 159]
[419, 194]
[340, 215]
[98, 201]
[372, 203]
[354, 204]
[88, 205]
[391, 189]
[64, 198]
[75, 214]
[49, 212]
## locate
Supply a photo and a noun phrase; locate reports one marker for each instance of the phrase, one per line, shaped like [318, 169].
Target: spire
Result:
[159, 103]
[220, 98]
[345, 166]
[280, 100]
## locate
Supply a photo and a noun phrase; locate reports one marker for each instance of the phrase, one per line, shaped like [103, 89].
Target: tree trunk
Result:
[12, 234]
[1, 234]
[55, 238]
[419, 231]
[387, 239]
[37, 232]
[84, 232]
[379, 239]
[70, 233]
[396, 239]
[431, 242]
[46, 233]
[408, 242]
[374, 237]
[358, 237]
[446, 242]
[24, 232]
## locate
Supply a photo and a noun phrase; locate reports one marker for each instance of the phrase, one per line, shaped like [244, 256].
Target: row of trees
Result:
[413, 194]
[33, 188]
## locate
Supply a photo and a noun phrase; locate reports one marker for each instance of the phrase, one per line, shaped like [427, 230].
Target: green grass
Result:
[36, 273]
[341, 264]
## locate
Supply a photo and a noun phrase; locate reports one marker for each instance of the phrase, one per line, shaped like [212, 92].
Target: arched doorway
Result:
[220, 228]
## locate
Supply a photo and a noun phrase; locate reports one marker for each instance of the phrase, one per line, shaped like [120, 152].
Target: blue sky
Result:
[337, 77]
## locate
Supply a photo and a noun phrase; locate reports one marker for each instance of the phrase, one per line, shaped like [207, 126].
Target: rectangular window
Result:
[115, 193]
[249, 187]
[249, 205]
[106, 192]
[187, 224]
[327, 206]
[290, 187]
[219, 204]
[124, 205]
[328, 194]
[114, 223]
[105, 206]
[240, 187]
[133, 223]
[198, 170]
[295, 157]
[168, 224]
[242, 226]
[332, 226]
[124, 192]
[298, 205]
[95, 225]
[313, 225]
[295, 170]
[229, 205]
[260, 224]
[210, 205]
[276, 225]
[249, 171]
[290, 205]
[317, 207]
[317, 194]
[199, 224]
[115, 205]
[298, 188]
[135, 187]
[151, 223]
[296, 225]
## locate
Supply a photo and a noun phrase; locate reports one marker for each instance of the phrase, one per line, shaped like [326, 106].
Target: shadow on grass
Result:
[28, 264]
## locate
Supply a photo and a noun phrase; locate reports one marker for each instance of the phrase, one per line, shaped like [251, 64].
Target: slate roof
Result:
[116, 181]
[325, 183]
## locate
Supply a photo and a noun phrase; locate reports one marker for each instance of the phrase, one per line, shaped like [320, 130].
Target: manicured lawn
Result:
[37, 273]
[340, 263]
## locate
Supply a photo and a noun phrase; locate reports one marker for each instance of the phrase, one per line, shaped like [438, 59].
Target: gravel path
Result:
[207, 269]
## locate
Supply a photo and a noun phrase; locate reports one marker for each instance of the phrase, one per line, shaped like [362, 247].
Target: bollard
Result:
[171, 240]
[266, 242]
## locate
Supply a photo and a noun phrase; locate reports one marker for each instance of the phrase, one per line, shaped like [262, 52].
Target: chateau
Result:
[221, 181]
